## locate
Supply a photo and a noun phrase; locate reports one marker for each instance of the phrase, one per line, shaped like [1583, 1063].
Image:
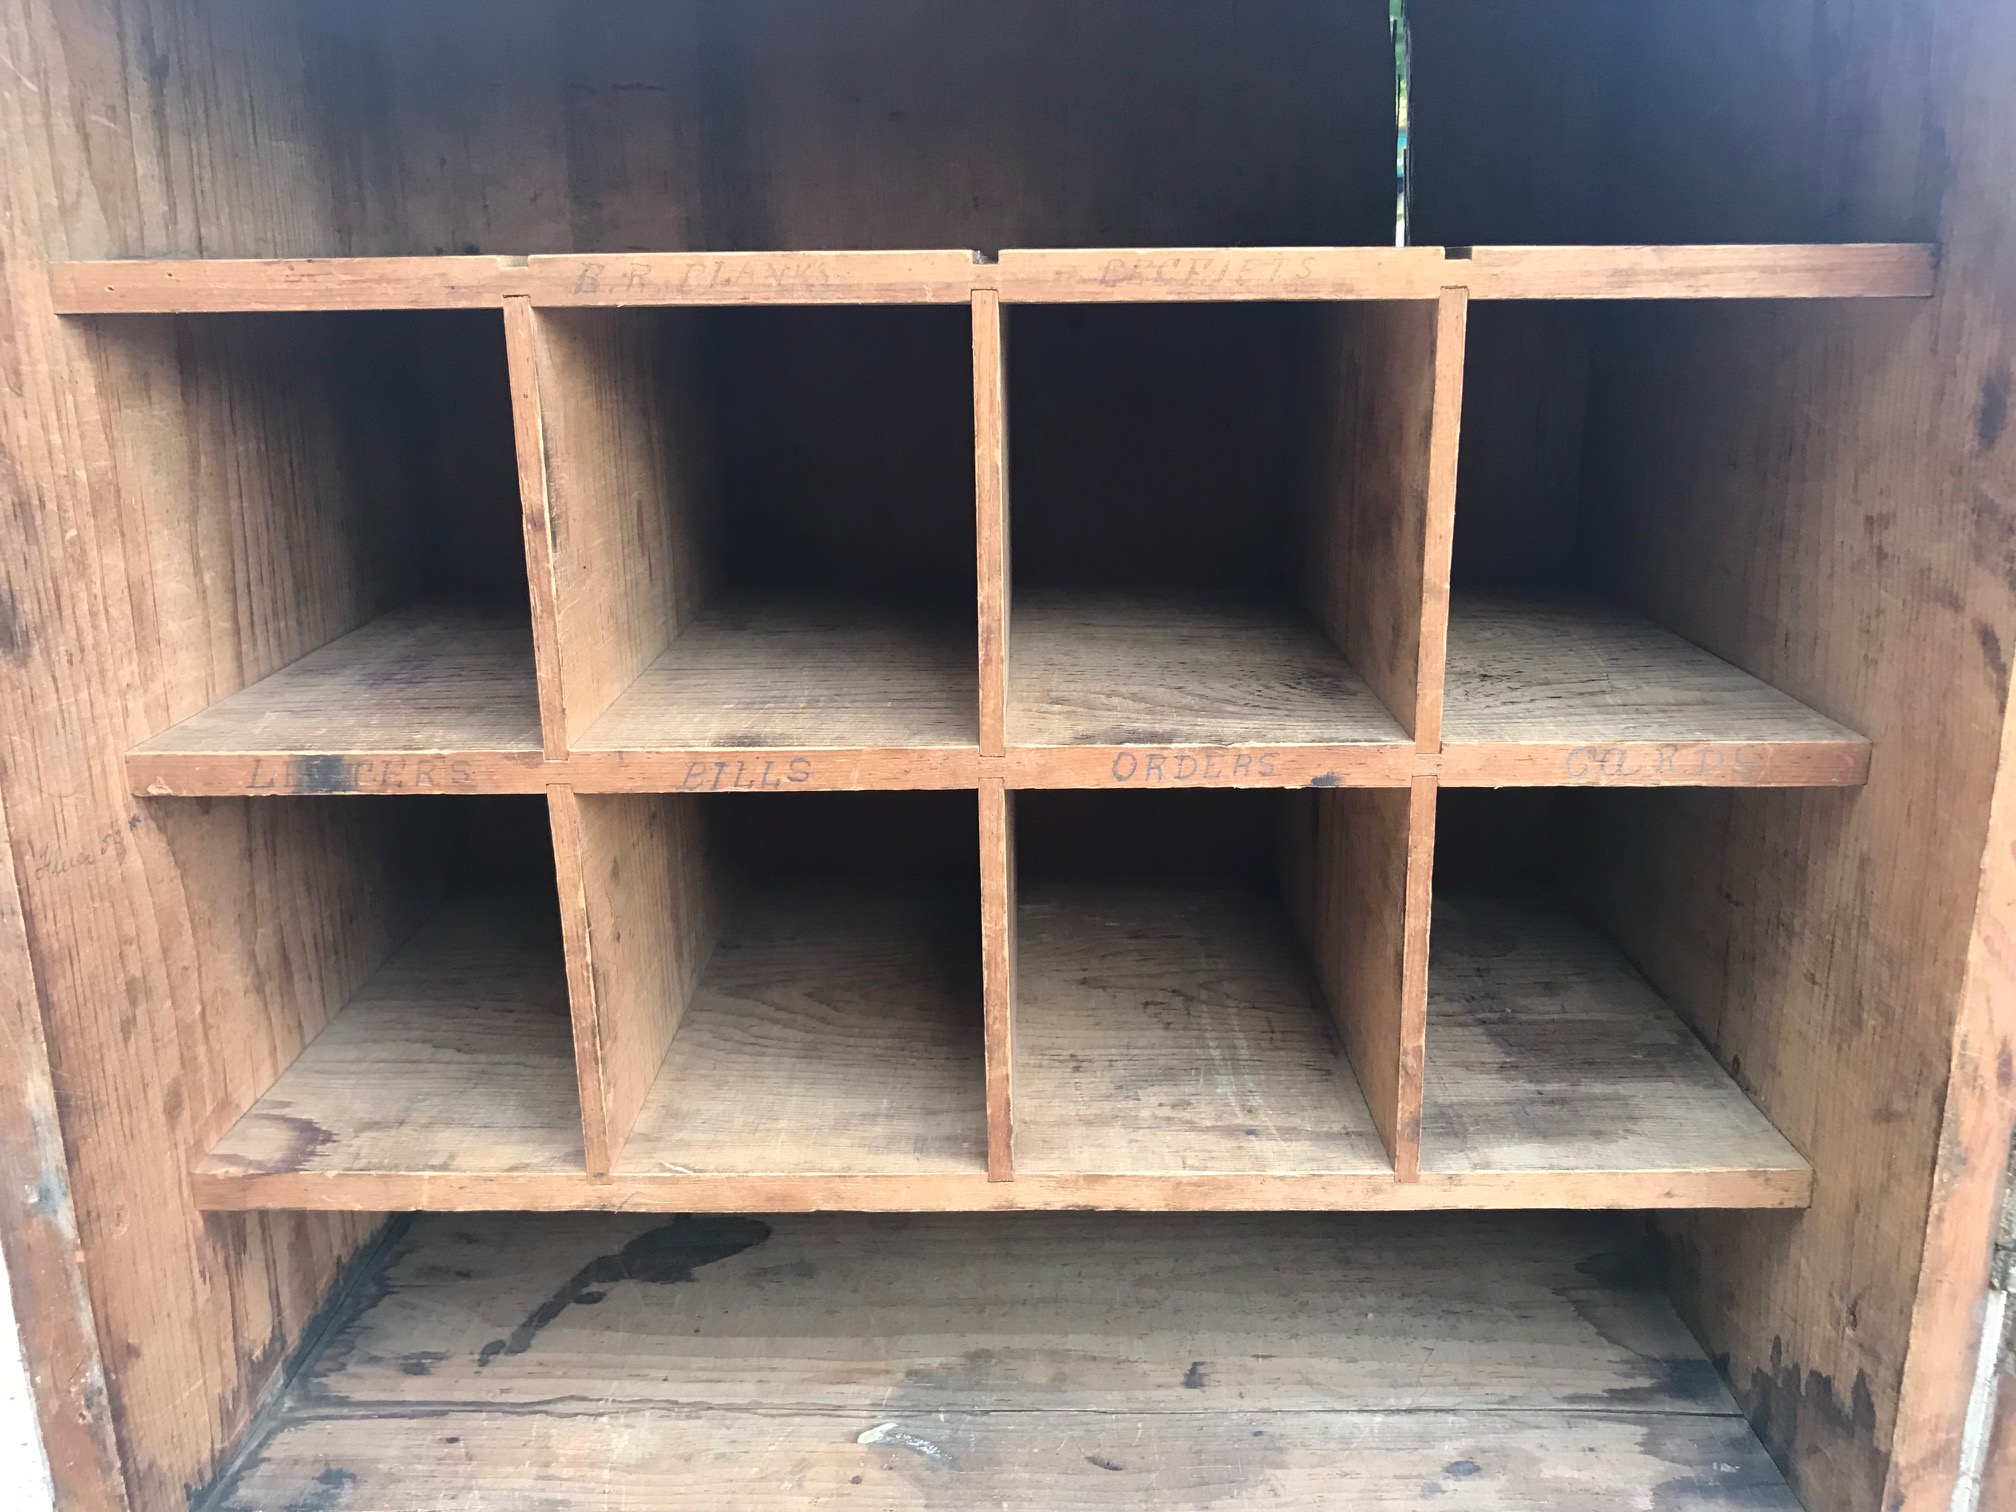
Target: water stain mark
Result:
[663, 1256]
[1992, 418]
[1193, 1378]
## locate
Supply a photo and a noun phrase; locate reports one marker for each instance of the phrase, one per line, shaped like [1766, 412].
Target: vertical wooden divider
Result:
[997, 943]
[990, 494]
[563, 808]
[997, 804]
[1452, 317]
[1392, 373]
[615, 462]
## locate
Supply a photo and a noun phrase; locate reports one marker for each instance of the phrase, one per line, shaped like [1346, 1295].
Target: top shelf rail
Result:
[1063, 276]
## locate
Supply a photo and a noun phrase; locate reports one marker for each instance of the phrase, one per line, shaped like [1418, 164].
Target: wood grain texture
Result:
[1546, 690]
[1110, 670]
[436, 698]
[38, 1240]
[631, 476]
[837, 1029]
[455, 1055]
[1356, 933]
[528, 435]
[650, 909]
[1546, 1051]
[1373, 390]
[1445, 427]
[990, 498]
[762, 675]
[1099, 1362]
[998, 933]
[1170, 1031]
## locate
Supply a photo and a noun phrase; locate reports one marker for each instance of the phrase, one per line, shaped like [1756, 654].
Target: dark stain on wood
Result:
[1193, 1378]
[662, 1256]
[1794, 1409]
[1992, 418]
[13, 634]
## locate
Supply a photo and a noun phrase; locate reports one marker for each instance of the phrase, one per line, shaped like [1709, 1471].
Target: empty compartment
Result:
[762, 529]
[1039, 1360]
[1219, 522]
[1196, 974]
[1552, 1062]
[757, 124]
[413, 954]
[1661, 122]
[785, 984]
[331, 506]
[1610, 598]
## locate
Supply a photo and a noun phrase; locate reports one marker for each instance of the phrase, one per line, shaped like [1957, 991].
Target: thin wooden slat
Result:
[998, 934]
[214, 285]
[528, 427]
[455, 1056]
[836, 1029]
[1546, 1051]
[1544, 691]
[1239, 1191]
[437, 698]
[990, 494]
[1128, 691]
[1028, 276]
[734, 278]
[1871, 270]
[1445, 425]
[1158, 274]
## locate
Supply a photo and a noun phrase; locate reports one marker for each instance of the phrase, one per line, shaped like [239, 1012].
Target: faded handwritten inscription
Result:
[1673, 762]
[1202, 269]
[753, 775]
[347, 774]
[1167, 767]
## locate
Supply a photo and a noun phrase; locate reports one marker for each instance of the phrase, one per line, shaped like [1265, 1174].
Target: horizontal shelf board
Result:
[457, 1056]
[434, 698]
[481, 1191]
[783, 696]
[836, 1030]
[1163, 1030]
[801, 1359]
[197, 286]
[1109, 690]
[1548, 1052]
[1570, 692]
[1031, 275]
[1154, 274]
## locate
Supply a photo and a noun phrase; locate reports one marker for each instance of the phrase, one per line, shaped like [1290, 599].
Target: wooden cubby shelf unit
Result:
[837, 572]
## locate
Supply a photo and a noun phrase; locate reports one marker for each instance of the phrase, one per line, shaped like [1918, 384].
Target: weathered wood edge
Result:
[1873, 270]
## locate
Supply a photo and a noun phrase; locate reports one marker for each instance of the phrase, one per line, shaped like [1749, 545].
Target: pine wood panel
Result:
[645, 907]
[1172, 1031]
[1547, 1051]
[992, 534]
[1127, 690]
[1545, 691]
[998, 953]
[836, 1029]
[1034, 276]
[1357, 932]
[1378, 388]
[1099, 1361]
[432, 699]
[783, 688]
[455, 1055]
[631, 475]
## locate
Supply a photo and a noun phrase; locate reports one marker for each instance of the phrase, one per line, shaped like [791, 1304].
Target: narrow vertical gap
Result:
[1403, 73]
